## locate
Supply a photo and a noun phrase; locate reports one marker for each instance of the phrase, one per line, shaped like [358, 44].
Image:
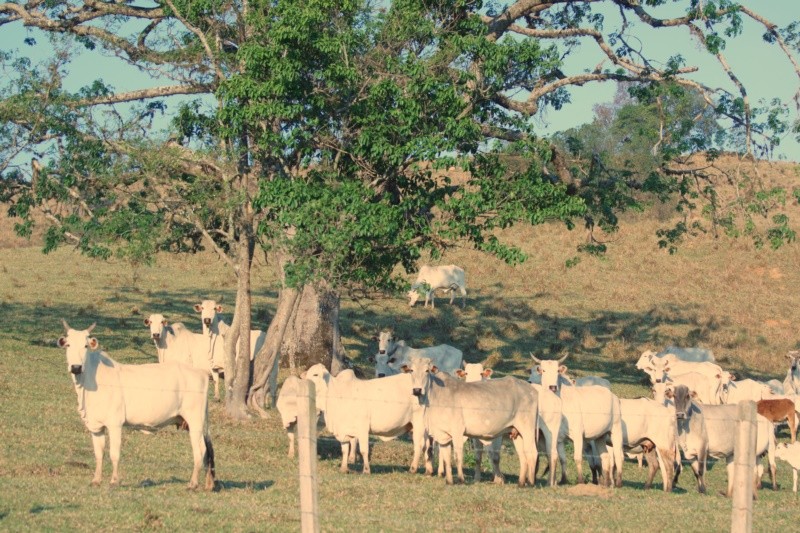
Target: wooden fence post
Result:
[744, 459]
[307, 456]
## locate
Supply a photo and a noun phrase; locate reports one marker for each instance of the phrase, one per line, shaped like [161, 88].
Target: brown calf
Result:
[778, 410]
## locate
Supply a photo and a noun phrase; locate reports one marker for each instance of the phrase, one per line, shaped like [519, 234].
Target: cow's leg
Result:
[215, 377]
[652, 467]
[477, 447]
[562, 458]
[445, 452]
[794, 480]
[458, 451]
[99, 445]
[418, 439]
[525, 464]
[114, 445]
[428, 452]
[551, 445]
[606, 461]
[578, 456]
[731, 467]
[363, 445]
[198, 452]
[593, 458]
[699, 468]
[346, 444]
[290, 434]
[494, 452]
[463, 297]
[441, 470]
[351, 457]
[531, 455]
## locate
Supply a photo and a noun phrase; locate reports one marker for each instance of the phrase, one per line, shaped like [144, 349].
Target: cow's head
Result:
[794, 359]
[420, 369]
[682, 397]
[383, 365]
[320, 376]
[474, 372]
[78, 344]
[662, 392]
[386, 342]
[788, 452]
[156, 323]
[644, 359]
[208, 310]
[549, 372]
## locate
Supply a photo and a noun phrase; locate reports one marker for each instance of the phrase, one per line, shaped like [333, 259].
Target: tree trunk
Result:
[237, 362]
[313, 332]
[266, 360]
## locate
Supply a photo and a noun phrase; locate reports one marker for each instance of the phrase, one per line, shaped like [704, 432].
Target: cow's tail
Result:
[208, 462]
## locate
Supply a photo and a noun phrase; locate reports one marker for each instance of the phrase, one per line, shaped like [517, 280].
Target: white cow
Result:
[590, 413]
[791, 384]
[648, 424]
[146, 397]
[592, 380]
[716, 425]
[287, 407]
[394, 354]
[455, 410]
[746, 389]
[445, 277]
[475, 372]
[670, 366]
[709, 391]
[791, 454]
[215, 329]
[356, 408]
[177, 344]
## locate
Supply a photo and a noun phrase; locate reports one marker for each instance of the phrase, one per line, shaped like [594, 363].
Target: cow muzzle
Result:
[680, 416]
[207, 321]
[76, 369]
[381, 352]
[156, 336]
[383, 376]
[417, 392]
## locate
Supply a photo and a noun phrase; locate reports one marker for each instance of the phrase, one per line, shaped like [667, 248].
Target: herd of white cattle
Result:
[431, 393]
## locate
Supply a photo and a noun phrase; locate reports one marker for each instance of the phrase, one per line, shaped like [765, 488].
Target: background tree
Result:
[323, 131]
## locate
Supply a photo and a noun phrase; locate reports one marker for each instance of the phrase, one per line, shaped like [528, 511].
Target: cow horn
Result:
[562, 359]
[536, 359]
[90, 328]
[66, 326]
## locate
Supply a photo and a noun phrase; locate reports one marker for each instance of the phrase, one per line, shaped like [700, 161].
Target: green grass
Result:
[721, 294]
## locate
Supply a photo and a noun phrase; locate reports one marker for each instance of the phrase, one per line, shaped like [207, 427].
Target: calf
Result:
[777, 411]
[447, 277]
[791, 454]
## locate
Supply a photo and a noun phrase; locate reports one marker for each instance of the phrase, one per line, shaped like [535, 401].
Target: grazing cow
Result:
[215, 329]
[430, 278]
[791, 385]
[648, 426]
[710, 430]
[779, 410]
[791, 454]
[475, 372]
[356, 408]
[456, 410]
[393, 354]
[746, 389]
[146, 397]
[590, 413]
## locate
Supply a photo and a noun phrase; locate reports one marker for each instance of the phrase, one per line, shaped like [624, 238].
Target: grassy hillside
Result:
[717, 293]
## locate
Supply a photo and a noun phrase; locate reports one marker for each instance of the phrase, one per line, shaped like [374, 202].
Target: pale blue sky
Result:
[762, 68]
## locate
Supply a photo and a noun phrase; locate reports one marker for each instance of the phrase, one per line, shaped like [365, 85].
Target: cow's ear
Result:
[487, 373]
[460, 373]
[371, 359]
[693, 394]
[374, 337]
[405, 368]
[164, 322]
[666, 369]
[146, 322]
[198, 308]
[61, 342]
[93, 344]
[218, 309]
[434, 369]
[539, 369]
[562, 369]
[733, 378]
[669, 394]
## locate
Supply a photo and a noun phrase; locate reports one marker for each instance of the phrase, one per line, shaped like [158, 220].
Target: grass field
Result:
[719, 294]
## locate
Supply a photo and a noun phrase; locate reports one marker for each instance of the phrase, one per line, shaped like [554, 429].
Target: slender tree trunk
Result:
[266, 359]
[237, 363]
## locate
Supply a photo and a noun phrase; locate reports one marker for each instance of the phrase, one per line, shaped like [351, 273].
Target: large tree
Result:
[323, 131]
